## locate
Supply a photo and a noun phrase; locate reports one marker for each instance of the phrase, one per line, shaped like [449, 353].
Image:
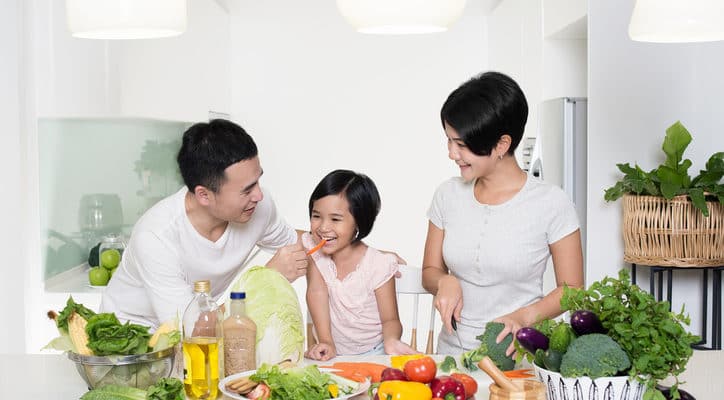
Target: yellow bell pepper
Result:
[402, 390]
[333, 390]
[399, 361]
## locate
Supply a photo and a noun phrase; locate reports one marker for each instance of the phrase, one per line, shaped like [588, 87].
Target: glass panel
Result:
[98, 176]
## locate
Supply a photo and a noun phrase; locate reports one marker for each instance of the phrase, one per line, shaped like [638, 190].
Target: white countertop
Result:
[53, 376]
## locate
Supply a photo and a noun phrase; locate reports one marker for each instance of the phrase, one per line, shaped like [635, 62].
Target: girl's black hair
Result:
[360, 192]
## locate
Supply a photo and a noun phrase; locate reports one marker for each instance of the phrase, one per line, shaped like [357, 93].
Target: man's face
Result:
[238, 196]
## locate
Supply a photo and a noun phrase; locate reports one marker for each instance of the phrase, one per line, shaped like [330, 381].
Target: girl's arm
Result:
[568, 266]
[318, 303]
[391, 326]
[435, 278]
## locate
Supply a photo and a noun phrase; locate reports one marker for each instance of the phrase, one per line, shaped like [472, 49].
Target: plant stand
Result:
[657, 289]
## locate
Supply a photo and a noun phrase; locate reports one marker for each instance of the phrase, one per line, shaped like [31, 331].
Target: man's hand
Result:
[290, 261]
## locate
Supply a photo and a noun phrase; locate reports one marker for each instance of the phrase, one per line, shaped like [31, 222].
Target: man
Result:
[204, 231]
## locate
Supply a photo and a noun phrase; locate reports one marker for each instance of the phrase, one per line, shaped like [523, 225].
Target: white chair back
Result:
[410, 283]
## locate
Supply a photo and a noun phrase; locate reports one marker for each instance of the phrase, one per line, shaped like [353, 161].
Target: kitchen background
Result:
[316, 96]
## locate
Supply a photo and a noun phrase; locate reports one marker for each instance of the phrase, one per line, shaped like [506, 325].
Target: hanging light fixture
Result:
[677, 21]
[401, 16]
[125, 19]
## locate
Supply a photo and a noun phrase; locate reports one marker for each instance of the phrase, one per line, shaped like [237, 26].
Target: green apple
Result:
[110, 258]
[98, 276]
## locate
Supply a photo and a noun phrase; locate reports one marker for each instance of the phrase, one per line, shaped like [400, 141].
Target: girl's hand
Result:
[449, 300]
[321, 352]
[513, 322]
[397, 347]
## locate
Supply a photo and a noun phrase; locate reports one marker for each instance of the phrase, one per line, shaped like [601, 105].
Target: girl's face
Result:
[332, 220]
[471, 165]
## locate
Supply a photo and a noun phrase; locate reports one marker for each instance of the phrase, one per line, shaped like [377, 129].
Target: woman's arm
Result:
[568, 266]
[391, 327]
[318, 303]
[436, 279]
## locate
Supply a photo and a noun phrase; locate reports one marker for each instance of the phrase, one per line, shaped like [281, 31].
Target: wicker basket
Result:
[672, 232]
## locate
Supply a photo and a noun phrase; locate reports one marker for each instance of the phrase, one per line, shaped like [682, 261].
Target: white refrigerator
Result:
[559, 154]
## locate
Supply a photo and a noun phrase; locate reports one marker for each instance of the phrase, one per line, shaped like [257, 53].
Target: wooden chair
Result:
[409, 284]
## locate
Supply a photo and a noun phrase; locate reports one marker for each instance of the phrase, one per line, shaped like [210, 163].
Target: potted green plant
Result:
[670, 218]
[672, 178]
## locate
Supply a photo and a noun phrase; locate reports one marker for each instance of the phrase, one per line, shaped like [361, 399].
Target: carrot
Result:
[351, 375]
[317, 247]
[519, 373]
[367, 369]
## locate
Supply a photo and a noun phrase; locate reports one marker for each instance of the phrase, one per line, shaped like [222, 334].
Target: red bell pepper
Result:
[447, 388]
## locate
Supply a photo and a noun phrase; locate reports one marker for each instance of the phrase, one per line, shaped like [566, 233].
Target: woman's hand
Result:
[321, 352]
[449, 300]
[396, 347]
[513, 322]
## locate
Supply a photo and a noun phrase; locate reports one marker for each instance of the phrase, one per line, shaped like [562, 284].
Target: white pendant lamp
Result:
[677, 21]
[401, 16]
[125, 19]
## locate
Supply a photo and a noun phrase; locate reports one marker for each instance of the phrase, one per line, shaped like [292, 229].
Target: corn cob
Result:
[76, 330]
[166, 327]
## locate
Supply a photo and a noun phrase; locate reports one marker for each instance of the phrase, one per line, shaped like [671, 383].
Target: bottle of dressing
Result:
[239, 337]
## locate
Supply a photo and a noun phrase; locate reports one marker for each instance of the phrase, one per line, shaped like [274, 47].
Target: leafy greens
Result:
[106, 336]
[300, 383]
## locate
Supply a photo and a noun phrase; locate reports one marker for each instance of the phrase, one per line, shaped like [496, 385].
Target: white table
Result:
[53, 376]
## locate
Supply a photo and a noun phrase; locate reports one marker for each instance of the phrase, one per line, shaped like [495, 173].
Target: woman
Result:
[492, 230]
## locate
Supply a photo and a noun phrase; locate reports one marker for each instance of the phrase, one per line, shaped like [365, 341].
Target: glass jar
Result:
[110, 251]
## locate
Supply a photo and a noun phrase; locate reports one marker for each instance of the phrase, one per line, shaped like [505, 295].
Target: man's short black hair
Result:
[208, 148]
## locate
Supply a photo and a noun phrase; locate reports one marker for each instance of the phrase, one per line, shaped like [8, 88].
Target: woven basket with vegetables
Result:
[670, 219]
[618, 343]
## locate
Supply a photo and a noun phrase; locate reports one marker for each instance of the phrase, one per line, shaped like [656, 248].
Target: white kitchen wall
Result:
[636, 90]
[12, 337]
[317, 96]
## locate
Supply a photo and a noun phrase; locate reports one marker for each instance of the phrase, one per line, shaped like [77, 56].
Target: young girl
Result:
[350, 286]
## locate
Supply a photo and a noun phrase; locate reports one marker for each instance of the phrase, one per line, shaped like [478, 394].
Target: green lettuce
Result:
[271, 302]
[300, 383]
[70, 307]
[106, 336]
[164, 389]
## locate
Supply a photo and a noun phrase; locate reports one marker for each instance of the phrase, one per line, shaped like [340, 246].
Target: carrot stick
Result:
[317, 247]
[519, 373]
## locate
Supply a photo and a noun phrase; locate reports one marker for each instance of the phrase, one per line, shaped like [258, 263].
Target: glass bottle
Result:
[239, 337]
[203, 344]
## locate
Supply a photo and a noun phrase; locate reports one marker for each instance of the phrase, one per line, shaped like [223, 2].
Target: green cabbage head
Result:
[271, 302]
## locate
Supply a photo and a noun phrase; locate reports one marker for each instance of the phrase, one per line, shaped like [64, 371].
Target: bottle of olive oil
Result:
[203, 345]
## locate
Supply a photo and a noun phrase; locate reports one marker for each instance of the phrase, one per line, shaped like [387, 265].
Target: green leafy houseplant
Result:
[672, 178]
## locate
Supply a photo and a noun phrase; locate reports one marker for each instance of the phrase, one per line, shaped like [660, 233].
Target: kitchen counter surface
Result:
[53, 376]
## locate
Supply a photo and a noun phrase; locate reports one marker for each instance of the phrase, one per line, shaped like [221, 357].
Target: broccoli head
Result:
[594, 355]
[488, 347]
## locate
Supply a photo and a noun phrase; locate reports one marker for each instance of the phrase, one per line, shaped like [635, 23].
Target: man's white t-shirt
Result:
[497, 252]
[166, 255]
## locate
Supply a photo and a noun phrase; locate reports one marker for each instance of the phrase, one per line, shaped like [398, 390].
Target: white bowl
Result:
[585, 388]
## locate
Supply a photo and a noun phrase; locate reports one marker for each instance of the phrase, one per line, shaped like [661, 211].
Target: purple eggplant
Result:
[532, 339]
[585, 322]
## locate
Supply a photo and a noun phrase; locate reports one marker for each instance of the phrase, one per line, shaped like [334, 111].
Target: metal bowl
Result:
[139, 371]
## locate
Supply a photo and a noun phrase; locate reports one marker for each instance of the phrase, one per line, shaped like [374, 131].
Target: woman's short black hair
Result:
[360, 192]
[484, 109]
[208, 148]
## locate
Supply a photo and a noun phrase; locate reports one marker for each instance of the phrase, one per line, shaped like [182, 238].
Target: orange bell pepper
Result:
[402, 390]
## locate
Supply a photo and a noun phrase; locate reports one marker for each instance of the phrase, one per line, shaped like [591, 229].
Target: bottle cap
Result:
[238, 295]
[202, 286]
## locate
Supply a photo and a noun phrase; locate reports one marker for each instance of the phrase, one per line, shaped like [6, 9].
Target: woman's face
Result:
[331, 220]
[471, 165]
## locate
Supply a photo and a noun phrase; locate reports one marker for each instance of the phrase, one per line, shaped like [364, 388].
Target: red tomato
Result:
[421, 370]
[470, 385]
